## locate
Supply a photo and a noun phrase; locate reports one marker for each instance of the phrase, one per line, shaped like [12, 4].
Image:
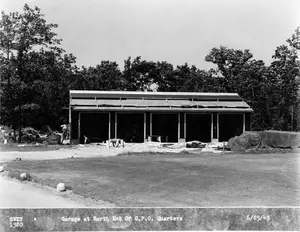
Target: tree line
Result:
[37, 74]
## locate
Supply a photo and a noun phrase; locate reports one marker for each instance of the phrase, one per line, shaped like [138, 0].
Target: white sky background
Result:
[176, 31]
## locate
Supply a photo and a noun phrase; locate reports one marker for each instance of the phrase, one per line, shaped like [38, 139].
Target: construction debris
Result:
[31, 135]
[54, 138]
[195, 144]
[115, 143]
[6, 134]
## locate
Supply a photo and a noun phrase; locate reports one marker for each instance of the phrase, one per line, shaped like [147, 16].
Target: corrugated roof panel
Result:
[166, 100]
[159, 103]
[136, 94]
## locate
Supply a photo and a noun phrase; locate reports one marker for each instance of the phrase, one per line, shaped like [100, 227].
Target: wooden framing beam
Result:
[244, 123]
[79, 133]
[178, 126]
[218, 129]
[150, 124]
[212, 128]
[116, 124]
[184, 129]
[109, 125]
[145, 127]
[70, 123]
[250, 119]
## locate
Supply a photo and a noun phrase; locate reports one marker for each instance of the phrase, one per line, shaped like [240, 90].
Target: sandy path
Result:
[85, 151]
[16, 194]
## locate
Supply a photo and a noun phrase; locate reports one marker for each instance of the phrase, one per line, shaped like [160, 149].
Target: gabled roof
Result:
[158, 101]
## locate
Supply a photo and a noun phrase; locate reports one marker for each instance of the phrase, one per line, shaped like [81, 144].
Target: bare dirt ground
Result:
[173, 180]
[80, 151]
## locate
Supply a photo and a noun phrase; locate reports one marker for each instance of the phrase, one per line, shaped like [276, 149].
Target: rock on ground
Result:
[61, 187]
[24, 176]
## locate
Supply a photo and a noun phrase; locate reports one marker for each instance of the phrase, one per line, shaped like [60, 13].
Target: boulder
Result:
[61, 187]
[1, 169]
[24, 176]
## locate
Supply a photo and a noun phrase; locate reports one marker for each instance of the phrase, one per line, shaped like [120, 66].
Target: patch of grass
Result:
[15, 174]
[152, 153]
[172, 180]
[267, 151]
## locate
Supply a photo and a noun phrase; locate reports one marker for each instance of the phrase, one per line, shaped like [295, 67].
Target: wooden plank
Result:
[116, 124]
[218, 126]
[185, 126]
[70, 123]
[79, 119]
[178, 126]
[145, 125]
[244, 122]
[212, 127]
[109, 125]
[150, 124]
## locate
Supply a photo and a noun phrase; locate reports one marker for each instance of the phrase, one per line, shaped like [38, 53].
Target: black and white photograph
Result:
[144, 104]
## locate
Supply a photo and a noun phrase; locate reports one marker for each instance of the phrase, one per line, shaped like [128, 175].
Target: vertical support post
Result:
[244, 125]
[184, 129]
[145, 126]
[150, 124]
[109, 125]
[212, 128]
[178, 126]
[218, 129]
[116, 124]
[250, 121]
[70, 123]
[79, 119]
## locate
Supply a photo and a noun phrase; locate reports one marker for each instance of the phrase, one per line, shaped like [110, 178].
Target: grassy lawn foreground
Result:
[175, 181]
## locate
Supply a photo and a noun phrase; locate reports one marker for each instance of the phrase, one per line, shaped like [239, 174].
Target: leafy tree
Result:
[270, 90]
[52, 73]
[196, 80]
[229, 64]
[22, 34]
[164, 73]
[106, 76]
[139, 75]
[285, 69]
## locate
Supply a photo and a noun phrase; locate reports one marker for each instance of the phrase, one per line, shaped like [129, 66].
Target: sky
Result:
[176, 31]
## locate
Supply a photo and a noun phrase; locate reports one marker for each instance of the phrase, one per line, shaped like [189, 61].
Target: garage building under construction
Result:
[164, 116]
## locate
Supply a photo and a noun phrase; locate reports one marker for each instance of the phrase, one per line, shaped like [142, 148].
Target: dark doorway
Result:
[131, 127]
[198, 127]
[230, 125]
[94, 127]
[166, 126]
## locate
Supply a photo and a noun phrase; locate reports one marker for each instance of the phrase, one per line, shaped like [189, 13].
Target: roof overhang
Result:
[81, 100]
[137, 94]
